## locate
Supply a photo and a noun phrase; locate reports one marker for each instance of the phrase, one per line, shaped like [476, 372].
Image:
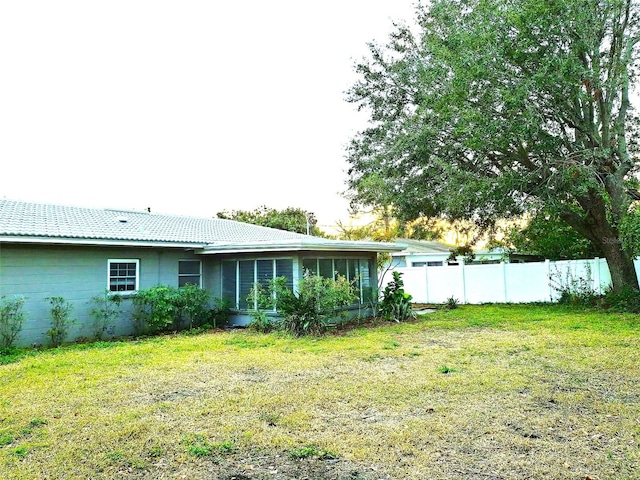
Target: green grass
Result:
[495, 391]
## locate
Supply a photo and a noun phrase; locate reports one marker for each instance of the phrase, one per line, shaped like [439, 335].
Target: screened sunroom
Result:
[240, 271]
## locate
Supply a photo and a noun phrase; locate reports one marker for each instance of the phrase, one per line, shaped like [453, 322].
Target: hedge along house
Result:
[77, 253]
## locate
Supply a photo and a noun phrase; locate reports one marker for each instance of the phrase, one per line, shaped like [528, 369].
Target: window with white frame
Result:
[240, 276]
[190, 272]
[123, 275]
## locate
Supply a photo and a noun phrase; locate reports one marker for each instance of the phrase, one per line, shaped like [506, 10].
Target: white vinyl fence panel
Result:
[503, 282]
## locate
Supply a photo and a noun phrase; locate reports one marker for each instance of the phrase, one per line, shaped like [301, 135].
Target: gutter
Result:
[95, 242]
[297, 246]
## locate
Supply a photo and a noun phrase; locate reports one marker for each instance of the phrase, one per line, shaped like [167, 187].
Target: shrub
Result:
[163, 308]
[396, 303]
[317, 301]
[11, 320]
[219, 313]
[575, 290]
[261, 322]
[373, 301]
[60, 320]
[154, 309]
[192, 307]
[625, 300]
[106, 310]
[452, 303]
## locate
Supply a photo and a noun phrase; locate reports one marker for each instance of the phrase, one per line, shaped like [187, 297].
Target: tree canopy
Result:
[549, 237]
[290, 219]
[488, 109]
[383, 227]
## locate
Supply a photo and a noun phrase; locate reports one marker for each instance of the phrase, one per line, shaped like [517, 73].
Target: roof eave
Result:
[212, 249]
[94, 242]
[298, 247]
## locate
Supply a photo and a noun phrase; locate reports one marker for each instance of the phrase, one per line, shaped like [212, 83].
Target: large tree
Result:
[489, 108]
[291, 219]
[549, 237]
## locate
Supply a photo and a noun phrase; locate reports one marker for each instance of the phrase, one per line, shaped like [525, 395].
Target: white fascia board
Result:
[271, 246]
[298, 246]
[420, 254]
[95, 242]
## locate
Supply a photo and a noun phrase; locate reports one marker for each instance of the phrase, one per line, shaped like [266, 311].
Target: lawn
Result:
[480, 392]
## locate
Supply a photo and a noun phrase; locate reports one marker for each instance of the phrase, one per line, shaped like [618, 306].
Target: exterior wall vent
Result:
[123, 219]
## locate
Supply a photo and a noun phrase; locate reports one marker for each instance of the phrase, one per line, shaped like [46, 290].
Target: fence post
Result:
[504, 281]
[426, 283]
[596, 262]
[462, 279]
[547, 264]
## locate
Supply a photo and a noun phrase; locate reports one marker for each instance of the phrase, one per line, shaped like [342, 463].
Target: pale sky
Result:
[186, 107]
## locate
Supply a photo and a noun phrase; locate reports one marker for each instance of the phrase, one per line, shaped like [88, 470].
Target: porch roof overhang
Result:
[269, 246]
[298, 245]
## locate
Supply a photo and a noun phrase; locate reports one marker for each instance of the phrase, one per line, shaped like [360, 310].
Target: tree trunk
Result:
[595, 227]
[621, 267]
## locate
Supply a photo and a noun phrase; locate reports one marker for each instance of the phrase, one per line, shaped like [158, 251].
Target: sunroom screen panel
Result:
[340, 265]
[326, 267]
[229, 281]
[246, 272]
[284, 268]
[310, 265]
[265, 272]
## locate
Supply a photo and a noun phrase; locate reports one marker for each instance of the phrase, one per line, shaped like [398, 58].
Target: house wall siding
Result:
[79, 274]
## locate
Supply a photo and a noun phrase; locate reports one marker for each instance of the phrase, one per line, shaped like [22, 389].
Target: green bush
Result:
[60, 320]
[452, 303]
[154, 309]
[106, 309]
[11, 320]
[219, 313]
[261, 322]
[625, 300]
[163, 308]
[396, 303]
[310, 310]
[192, 307]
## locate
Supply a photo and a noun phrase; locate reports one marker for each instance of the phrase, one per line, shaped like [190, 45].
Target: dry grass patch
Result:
[496, 392]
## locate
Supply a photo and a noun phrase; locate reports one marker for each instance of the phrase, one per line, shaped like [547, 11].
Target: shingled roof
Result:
[24, 221]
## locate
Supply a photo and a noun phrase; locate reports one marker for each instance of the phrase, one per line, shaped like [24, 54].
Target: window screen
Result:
[123, 275]
[189, 273]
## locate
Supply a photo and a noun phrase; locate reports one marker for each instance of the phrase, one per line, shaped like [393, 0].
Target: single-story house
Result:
[429, 253]
[420, 253]
[77, 253]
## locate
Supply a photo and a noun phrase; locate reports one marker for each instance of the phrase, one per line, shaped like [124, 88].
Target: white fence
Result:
[500, 283]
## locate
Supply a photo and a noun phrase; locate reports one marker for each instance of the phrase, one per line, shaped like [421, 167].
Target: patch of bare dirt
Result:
[259, 466]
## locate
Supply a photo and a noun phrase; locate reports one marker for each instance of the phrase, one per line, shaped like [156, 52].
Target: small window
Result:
[189, 272]
[123, 275]
[434, 264]
[418, 264]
